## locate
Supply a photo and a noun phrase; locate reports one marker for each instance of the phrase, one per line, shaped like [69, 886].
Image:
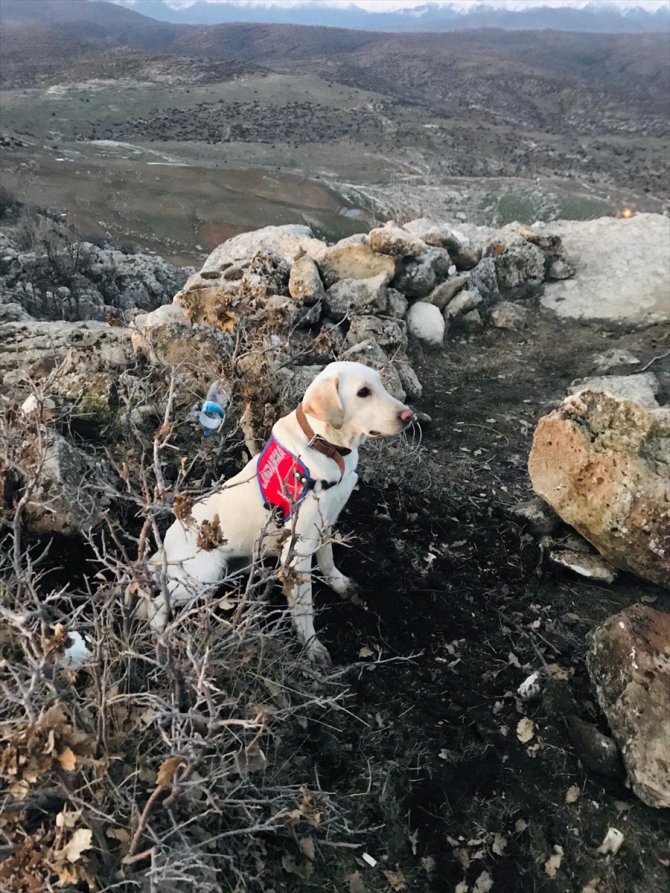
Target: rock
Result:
[288, 241]
[577, 556]
[415, 277]
[438, 235]
[372, 355]
[213, 305]
[440, 262]
[466, 300]
[642, 387]
[613, 358]
[597, 752]
[391, 239]
[389, 334]
[507, 315]
[472, 322]
[483, 278]
[36, 347]
[519, 265]
[267, 274]
[408, 378]
[541, 519]
[465, 258]
[13, 312]
[396, 303]
[425, 322]
[561, 269]
[443, 293]
[72, 488]
[621, 269]
[357, 296]
[629, 664]
[167, 314]
[603, 464]
[353, 261]
[441, 235]
[304, 283]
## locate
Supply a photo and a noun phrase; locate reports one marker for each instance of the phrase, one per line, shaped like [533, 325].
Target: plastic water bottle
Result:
[213, 409]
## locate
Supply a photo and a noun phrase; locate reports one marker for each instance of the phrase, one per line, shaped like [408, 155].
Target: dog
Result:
[286, 500]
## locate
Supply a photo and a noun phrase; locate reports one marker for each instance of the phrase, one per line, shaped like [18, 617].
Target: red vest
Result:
[283, 479]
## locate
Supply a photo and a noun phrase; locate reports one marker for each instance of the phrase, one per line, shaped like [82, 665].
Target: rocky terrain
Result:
[223, 119]
[483, 726]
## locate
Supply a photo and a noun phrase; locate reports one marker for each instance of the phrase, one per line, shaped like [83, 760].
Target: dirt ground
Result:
[456, 597]
[420, 757]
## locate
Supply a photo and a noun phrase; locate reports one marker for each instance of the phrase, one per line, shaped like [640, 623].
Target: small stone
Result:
[472, 322]
[507, 315]
[466, 300]
[596, 751]
[483, 278]
[443, 293]
[561, 269]
[425, 322]
[411, 384]
[585, 563]
[542, 520]
[396, 303]
[617, 356]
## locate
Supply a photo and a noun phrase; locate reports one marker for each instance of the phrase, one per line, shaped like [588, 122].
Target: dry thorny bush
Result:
[161, 762]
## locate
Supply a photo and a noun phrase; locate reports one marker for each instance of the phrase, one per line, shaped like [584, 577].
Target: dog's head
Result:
[351, 398]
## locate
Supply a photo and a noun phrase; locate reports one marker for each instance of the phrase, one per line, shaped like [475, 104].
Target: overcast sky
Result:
[388, 5]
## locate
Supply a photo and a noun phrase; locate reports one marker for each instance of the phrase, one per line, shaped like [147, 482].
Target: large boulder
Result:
[641, 387]
[629, 665]
[34, 348]
[622, 268]
[603, 464]
[353, 260]
[288, 241]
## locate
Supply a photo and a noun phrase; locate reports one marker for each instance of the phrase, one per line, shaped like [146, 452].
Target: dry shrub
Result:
[157, 763]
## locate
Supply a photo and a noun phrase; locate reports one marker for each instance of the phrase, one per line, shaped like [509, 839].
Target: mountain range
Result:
[591, 17]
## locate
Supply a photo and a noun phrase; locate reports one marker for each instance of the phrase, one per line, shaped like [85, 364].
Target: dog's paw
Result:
[347, 588]
[318, 654]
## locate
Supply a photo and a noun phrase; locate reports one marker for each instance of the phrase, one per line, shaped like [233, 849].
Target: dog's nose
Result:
[406, 416]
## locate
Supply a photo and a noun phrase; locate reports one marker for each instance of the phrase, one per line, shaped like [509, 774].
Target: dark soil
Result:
[459, 608]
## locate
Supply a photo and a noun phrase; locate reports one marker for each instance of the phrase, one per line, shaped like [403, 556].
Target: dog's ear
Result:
[322, 401]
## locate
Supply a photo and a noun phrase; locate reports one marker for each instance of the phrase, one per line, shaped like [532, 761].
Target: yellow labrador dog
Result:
[287, 499]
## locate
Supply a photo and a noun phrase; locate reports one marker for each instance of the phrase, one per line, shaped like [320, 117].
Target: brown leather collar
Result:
[320, 444]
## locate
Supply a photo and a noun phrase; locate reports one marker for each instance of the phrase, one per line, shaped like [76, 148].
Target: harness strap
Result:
[320, 444]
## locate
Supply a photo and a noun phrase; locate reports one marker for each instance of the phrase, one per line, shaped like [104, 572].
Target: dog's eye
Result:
[364, 392]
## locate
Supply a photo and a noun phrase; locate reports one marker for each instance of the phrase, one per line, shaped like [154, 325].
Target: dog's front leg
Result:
[297, 581]
[337, 581]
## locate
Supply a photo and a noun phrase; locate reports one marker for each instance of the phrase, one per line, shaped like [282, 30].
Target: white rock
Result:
[611, 843]
[617, 356]
[286, 241]
[425, 322]
[622, 268]
[530, 688]
[641, 387]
